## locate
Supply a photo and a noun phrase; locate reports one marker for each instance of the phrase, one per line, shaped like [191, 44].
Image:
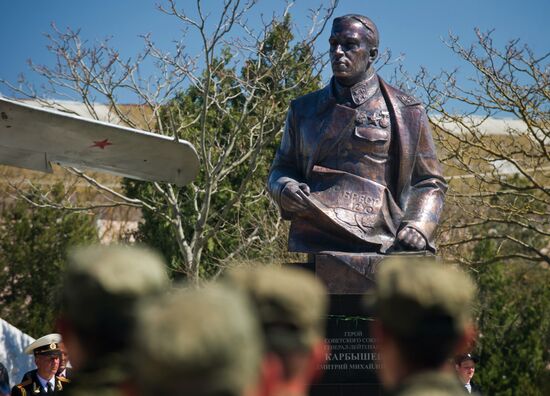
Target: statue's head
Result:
[353, 48]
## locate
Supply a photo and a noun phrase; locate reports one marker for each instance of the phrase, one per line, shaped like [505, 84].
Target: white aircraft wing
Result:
[33, 138]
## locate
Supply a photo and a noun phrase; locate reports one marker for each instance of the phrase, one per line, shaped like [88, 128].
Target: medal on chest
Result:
[378, 118]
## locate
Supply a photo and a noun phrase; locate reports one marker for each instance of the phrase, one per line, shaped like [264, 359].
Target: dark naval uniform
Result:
[32, 387]
[475, 389]
[367, 154]
[68, 374]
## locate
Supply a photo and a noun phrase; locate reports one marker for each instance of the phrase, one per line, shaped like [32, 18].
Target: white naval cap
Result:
[47, 343]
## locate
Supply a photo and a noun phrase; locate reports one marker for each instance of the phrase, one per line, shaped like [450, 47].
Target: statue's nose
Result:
[338, 50]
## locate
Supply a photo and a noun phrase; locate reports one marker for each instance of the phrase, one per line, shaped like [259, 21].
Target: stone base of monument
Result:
[351, 365]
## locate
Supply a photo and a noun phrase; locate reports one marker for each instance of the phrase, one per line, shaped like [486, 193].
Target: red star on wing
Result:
[102, 143]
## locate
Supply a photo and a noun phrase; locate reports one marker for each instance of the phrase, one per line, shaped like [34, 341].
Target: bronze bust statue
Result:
[356, 170]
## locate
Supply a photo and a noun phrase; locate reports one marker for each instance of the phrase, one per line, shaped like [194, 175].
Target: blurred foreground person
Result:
[292, 308]
[197, 342]
[43, 380]
[102, 288]
[465, 366]
[423, 316]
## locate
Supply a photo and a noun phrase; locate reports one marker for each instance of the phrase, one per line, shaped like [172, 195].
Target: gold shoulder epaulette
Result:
[63, 379]
[24, 383]
[21, 387]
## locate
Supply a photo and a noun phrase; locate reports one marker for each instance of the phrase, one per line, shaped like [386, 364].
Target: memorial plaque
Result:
[352, 357]
[352, 362]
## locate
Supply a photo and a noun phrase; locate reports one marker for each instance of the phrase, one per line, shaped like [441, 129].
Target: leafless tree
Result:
[235, 64]
[499, 170]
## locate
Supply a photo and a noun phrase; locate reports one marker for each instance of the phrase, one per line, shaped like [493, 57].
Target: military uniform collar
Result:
[44, 382]
[393, 96]
[358, 93]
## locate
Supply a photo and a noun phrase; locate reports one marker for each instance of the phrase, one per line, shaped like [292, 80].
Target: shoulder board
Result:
[408, 100]
[21, 388]
[63, 379]
[25, 383]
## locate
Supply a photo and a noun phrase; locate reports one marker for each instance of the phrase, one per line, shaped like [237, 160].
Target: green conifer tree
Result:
[33, 245]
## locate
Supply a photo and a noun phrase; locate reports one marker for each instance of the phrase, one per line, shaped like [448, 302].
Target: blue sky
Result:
[412, 28]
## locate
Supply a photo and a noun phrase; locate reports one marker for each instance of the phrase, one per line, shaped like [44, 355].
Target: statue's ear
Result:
[373, 54]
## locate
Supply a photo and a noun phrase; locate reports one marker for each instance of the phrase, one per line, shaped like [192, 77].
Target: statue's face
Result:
[350, 53]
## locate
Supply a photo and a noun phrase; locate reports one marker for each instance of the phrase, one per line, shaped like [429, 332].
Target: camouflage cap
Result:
[291, 304]
[420, 297]
[197, 342]
[102, 285]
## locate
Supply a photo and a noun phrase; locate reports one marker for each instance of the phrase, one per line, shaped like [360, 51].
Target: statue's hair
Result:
[372, 30]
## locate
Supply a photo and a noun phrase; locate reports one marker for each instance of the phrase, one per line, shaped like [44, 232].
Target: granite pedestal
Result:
[350, 369]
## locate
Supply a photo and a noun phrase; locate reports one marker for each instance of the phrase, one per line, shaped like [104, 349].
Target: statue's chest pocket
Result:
[371, 140]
